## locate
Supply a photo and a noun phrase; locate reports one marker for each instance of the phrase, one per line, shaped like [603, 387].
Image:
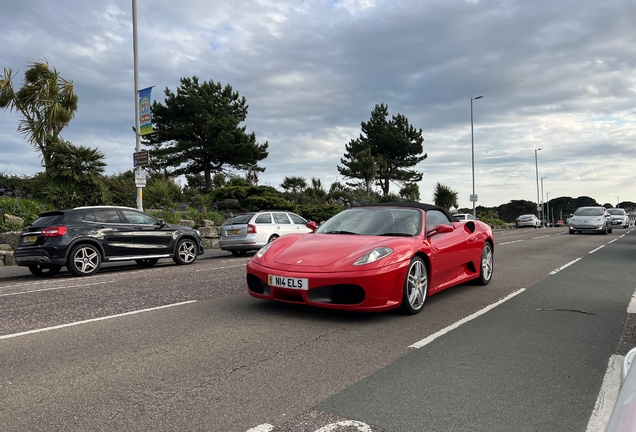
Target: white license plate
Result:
[233, 232]
[288, 282]
[30, 239]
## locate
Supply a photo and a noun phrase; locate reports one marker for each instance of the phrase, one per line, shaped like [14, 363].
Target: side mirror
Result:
[161, 223]
[440, 229]
[312, 225]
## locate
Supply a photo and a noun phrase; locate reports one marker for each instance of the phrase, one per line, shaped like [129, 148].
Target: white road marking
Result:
[510, 242]
[564, 266]
[265, 427]
[632, 305]
[93, 320]
[361, 427]
[598, 248]
[607, 396]
[543, 236]
[220, 268]
[611, 241]
[54, 288]
[431, 338]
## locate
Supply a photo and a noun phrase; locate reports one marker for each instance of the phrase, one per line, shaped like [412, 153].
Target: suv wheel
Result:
[186, 252]
[84, 260]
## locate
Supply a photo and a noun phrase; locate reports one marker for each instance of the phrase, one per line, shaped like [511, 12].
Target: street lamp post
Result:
[547, 203]
[473, 197]
[542, 202]
[140, 205]
[617, 201]
[536, 167]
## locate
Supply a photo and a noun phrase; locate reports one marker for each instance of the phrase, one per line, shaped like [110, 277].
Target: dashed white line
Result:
[564, 266]
[265, 427]
[543, 236]
[598, 248]
[611, 241]
[431, 338]
[92, 320]
[510, 242]
[53, 289]
[220, 268]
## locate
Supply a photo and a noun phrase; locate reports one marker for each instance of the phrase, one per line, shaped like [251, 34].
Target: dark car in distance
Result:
[84, 237]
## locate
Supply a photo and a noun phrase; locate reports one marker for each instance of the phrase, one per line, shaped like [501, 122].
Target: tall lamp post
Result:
[542, 202]
[473, 197]
[547, 203]
[617, 201]
[140, 205]
[536, 167]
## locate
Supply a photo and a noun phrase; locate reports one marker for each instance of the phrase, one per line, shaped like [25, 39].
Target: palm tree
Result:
[294, 184]
[76, 176]
[444, 196]
[46, 101]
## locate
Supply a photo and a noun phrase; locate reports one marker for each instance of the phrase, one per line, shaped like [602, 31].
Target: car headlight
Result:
[373, 256]
[262, 250]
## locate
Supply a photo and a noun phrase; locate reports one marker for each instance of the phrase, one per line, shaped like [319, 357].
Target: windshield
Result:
[589, 211]
[374, 221]
[239, 219]
[620, 212]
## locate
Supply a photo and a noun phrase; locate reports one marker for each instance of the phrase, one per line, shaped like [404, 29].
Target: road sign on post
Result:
[140, 158]
[140, 178]
[473, 198]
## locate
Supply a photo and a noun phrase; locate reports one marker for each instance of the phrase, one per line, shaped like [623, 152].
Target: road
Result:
[185, 348]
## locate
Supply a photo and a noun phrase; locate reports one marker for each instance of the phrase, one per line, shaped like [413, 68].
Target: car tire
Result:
[486, 265]
[44, 271]
[415, 289]
[572, 231]
[239, 253]
[84, 260]
[147, 262]
[604, 230]
[185, 252]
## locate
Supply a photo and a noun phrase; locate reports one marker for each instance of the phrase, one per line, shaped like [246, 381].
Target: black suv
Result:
[84, 237]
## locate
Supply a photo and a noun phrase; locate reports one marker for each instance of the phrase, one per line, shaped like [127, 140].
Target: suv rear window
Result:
[48, 220]
[239, 219]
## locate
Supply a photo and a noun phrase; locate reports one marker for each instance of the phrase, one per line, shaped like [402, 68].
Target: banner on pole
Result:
[145, 123]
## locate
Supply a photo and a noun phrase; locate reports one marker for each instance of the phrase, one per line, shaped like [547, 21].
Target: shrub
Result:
[25, 208]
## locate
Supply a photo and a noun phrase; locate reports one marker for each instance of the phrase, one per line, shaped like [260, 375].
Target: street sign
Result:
[140, 158]
[140, 178]
[473, 198]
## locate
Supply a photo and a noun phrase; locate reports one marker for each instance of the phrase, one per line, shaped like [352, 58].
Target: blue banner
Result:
[145, 123]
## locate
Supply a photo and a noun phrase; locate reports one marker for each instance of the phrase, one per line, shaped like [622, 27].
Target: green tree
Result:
[294, 184]
[359, 164]
[444, 196]
[384, 152]
[46, 101]
[316, 192]
[584, 201]
[197, 130]
[509, 212]
[410, 192]
[76, 176]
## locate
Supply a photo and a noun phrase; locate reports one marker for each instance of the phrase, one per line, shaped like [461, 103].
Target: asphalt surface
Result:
[184, 348]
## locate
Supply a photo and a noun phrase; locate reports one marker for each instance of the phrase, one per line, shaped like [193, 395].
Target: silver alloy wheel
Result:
[486, 262]
[86, 259]
[417, 284]
[187, 251]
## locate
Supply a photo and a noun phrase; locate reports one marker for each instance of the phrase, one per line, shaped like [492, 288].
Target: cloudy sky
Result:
[554, 74]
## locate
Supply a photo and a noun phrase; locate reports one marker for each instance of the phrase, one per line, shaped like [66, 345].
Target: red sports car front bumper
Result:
[361, 290]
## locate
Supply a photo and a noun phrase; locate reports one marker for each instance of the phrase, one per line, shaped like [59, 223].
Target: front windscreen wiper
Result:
[340, 232]
[396, 234]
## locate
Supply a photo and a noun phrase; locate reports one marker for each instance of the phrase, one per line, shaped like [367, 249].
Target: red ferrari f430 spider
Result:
[374, 258]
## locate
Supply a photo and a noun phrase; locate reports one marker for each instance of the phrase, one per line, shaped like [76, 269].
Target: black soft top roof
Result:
[413, 204]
